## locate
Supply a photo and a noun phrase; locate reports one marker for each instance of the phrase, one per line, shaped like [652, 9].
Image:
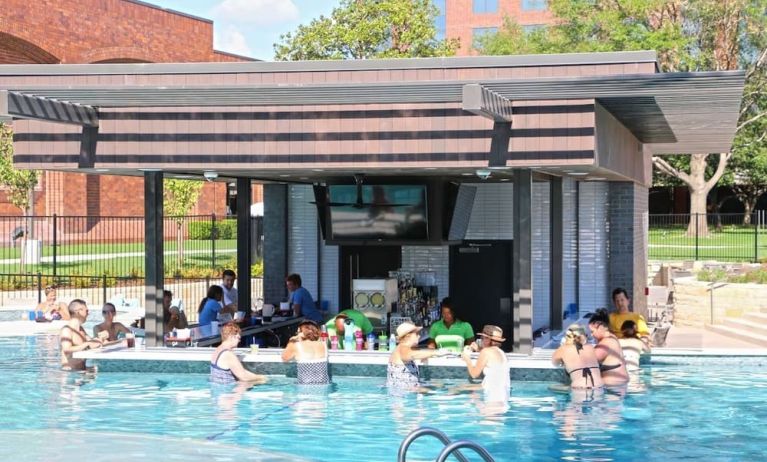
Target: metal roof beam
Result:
[21, 106]
[486, 103]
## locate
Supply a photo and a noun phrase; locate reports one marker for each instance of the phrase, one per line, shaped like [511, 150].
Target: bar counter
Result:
[118, 358]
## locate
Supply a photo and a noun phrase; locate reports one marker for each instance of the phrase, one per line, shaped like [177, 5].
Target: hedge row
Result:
[202, 230]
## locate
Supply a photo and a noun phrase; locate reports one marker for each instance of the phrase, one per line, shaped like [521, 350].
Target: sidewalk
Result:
[693, 337]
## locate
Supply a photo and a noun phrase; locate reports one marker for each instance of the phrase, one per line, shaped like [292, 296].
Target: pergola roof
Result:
[674, 112]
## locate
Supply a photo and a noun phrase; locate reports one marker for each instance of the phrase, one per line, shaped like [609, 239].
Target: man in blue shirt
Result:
[301, 300]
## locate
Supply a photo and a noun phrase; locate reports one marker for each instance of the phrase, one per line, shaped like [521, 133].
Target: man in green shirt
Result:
[337, 325]
[450, 325]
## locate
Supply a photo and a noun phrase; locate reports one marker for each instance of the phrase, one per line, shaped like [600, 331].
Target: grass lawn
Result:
[730, 243]
[131, 265]
[86, 248]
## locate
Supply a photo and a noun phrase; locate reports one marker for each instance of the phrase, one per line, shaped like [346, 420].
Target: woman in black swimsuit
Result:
[612, 364]
[579, 359]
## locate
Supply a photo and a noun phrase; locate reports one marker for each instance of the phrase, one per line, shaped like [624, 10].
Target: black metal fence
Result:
[86, 245]
[26, 290]
[724, 237]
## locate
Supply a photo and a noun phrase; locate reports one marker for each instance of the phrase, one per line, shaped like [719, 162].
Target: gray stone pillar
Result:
[154, 281]
[522, 267]
[627, 258]
[244, 243]
[557, 252]
[275, 241]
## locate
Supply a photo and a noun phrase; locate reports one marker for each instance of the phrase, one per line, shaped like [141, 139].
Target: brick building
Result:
[468, 19]
[103, 31]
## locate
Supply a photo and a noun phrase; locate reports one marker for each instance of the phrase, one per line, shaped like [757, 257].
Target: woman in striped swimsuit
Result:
[225, 366]
[310, 354]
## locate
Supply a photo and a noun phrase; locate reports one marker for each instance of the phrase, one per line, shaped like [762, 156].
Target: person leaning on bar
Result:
[450, 325]
[337, 327]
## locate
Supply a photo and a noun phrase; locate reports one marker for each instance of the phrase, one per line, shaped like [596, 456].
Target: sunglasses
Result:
[107, 312]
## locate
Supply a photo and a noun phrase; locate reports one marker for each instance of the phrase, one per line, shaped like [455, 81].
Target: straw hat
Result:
[406, 328]
[493, 333]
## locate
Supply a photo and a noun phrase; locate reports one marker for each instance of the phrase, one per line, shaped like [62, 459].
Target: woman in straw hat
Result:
[578, 358]
[492, 362]
[402, 371]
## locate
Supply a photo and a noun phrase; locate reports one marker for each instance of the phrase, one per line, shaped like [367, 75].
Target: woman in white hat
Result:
[402, 371]
[492, 362]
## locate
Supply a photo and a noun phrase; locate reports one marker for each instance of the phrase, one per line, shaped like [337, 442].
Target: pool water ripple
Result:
[674, 412]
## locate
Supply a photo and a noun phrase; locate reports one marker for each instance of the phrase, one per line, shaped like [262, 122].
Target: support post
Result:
[154, 270]
[244, 244]
[55, 243]
[556, 242]
[213, 237]
[522, 274]
[275, 241]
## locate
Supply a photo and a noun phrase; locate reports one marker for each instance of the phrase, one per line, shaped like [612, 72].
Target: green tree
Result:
[366, 29]
[19, 184]
[688, 35]
[179, 196]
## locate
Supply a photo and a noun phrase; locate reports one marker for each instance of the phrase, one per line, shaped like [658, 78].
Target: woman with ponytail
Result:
[578, 358]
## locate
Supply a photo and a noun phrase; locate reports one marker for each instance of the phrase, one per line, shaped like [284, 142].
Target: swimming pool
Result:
[674, 413]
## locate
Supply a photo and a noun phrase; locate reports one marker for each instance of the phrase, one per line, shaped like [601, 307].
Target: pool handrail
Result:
[456, 445]
[423, 431]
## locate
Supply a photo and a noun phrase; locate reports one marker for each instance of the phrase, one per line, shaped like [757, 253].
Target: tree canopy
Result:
[19, 184]
[366, 29]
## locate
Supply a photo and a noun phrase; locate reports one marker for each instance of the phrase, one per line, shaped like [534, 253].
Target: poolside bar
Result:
[532, 171]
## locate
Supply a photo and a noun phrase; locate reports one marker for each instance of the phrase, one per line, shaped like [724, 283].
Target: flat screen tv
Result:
[378, 212]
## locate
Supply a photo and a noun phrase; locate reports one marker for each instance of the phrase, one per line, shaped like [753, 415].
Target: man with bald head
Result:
[73, 337]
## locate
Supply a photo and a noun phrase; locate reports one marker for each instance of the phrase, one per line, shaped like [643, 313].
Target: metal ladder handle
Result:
[456, 445]
[423, 431]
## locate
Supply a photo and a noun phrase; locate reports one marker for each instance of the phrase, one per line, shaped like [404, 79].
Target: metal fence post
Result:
[39, 287]
[104, 286]
[756, 236]
[213, 234]
[55, 242]
[697, 227]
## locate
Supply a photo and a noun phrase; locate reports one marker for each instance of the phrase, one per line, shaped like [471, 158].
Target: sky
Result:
[251, 27]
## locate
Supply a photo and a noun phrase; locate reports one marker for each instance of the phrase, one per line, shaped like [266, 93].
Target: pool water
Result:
[679, 412]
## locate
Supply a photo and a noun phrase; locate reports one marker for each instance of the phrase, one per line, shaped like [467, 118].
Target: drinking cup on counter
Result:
[254, 348]
[130, 340]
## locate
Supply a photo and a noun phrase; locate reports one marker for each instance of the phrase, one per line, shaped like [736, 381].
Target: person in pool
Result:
[633, 345]
[609, 353]
[109, 330]
[310, 353]
[492, 362]
[73, 338]
[402, 371]
[53, 309]
[578, 358]
[225, 366]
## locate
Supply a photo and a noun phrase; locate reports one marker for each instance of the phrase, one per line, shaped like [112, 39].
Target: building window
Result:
[479, 32]
[440, 22]
[485, 6]
[529, 28]
[534, 5]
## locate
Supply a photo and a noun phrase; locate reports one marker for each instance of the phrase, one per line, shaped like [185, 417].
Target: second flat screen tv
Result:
[378, 212]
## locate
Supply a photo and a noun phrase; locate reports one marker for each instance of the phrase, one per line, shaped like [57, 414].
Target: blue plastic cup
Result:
[40, 315]
[31, 315]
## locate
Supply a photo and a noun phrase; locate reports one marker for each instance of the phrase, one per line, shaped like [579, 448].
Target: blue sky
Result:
[250, 27]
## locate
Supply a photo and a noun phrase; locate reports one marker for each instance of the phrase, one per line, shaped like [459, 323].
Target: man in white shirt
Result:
[230, 291]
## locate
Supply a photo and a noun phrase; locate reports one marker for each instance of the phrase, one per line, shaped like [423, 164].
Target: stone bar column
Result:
[244, 244]
[557, 253]
[627, 258]
[154, 281]
[522, 272]
[275, 241]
